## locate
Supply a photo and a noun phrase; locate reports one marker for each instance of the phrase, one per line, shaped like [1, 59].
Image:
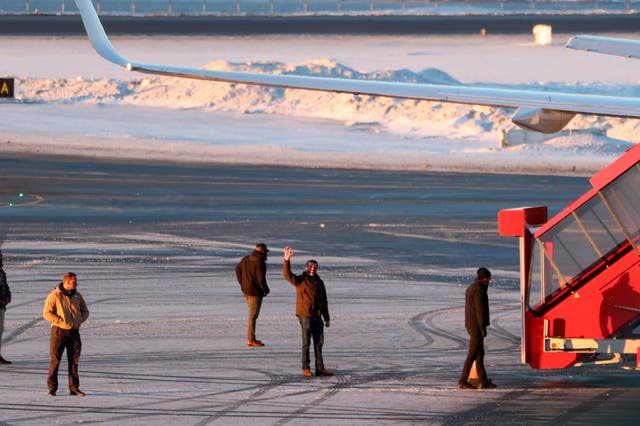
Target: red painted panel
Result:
[512, 222]
[599, 309]
[536, 357]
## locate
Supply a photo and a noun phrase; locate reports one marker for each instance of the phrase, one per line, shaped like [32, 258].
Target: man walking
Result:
[5, 299]
[476, 320]
[251, 273]
[311, 308]
[66, 310]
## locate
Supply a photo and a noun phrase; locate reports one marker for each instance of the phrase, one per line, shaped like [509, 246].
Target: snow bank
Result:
[441, 128]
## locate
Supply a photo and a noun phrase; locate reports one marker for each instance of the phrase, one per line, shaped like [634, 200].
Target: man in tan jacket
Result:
[66, 310]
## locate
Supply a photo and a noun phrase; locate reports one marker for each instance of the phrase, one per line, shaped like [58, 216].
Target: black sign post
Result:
[6, 87]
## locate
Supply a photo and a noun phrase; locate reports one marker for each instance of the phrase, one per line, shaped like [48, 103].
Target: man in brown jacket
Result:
[251, 273]
[66, 310]
[311, 308]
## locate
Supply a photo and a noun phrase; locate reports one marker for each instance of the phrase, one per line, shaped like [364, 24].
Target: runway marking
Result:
[37, 199]
[448, 239]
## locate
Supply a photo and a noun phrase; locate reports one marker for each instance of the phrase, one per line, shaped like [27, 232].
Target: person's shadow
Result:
[619, 304]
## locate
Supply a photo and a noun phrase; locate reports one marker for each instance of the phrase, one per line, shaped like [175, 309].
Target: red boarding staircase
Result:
[580, 271]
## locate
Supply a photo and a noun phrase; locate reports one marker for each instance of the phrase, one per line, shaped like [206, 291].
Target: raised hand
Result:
[288, 253]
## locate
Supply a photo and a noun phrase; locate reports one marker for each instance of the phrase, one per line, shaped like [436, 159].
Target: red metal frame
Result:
[598, 303]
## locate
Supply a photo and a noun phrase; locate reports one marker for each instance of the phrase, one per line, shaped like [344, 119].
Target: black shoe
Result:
[465, 385]
[4, 361]
[323, 372]
[76, 392]
[488, 385]
[52, 393]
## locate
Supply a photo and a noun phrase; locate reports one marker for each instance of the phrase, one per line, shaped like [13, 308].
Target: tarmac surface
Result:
[154, 245]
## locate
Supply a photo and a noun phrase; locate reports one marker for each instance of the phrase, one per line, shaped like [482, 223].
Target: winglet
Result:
[97, 36]
[606, 45]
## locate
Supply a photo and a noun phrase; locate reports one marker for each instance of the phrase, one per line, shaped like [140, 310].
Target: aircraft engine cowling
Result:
[542, 120]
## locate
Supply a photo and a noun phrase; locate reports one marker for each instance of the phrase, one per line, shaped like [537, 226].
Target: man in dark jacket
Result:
[5, 299]
[251, 273]
[476, 320]
[311, 308]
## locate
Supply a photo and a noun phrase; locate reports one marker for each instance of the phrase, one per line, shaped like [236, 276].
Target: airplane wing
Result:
[546, 112]
[606, 45]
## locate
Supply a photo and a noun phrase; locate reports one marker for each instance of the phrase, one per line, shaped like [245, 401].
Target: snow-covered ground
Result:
[77, 103]
[155, 244]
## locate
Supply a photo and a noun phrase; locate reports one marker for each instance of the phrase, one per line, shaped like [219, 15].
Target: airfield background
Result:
[279, 7]
[60, 17]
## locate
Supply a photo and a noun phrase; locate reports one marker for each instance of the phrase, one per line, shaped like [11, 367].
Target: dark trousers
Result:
[476, 353]
[254, 303]
[2, 309]
[61, 340]
[312, 327]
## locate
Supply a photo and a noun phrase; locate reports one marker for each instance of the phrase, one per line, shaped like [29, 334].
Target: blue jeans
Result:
[312, 327]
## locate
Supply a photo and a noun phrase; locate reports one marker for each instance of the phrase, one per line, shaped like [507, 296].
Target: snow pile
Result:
[419, 118]
[381, 132]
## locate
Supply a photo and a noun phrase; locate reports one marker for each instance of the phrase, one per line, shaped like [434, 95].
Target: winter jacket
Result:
[251, 273]
[5, 292]
[476, 311]
[64, 309]
[311, 295]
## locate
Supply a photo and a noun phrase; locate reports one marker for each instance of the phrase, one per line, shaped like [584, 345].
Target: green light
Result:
[20, 194]
[10, 203]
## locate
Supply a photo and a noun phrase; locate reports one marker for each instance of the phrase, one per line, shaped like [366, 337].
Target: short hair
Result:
[69, 275]
[308, 264]
[483, 273]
